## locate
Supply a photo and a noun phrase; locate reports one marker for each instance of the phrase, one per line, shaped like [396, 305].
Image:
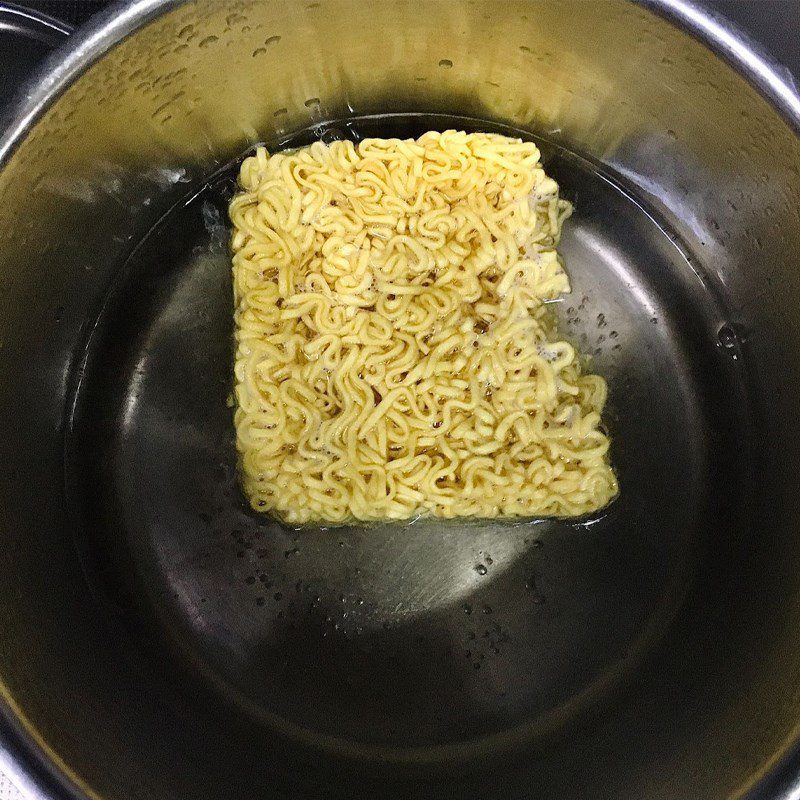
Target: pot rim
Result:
[124, 17]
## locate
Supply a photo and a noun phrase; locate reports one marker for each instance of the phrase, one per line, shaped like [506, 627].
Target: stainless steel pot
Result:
[159, 641]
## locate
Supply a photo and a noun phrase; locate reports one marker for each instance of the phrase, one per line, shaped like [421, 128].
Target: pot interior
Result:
[165, 639]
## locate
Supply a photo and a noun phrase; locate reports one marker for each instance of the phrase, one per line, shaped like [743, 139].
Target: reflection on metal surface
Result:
[753, 64]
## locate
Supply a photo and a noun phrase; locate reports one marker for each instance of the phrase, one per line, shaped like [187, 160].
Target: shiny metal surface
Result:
[26, 37]
[187, 649]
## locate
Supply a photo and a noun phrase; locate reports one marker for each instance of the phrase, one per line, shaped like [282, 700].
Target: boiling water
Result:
[425, 639]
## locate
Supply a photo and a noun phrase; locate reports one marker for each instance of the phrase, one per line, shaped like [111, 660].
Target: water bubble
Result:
[467, 608]
[481, 569]
[446, 63]
[487, 609]
[727, 337]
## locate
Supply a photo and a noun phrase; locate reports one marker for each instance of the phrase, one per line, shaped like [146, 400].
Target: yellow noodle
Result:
[395, 356]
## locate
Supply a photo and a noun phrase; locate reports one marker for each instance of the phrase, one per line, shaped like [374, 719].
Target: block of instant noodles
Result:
[395, 353]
